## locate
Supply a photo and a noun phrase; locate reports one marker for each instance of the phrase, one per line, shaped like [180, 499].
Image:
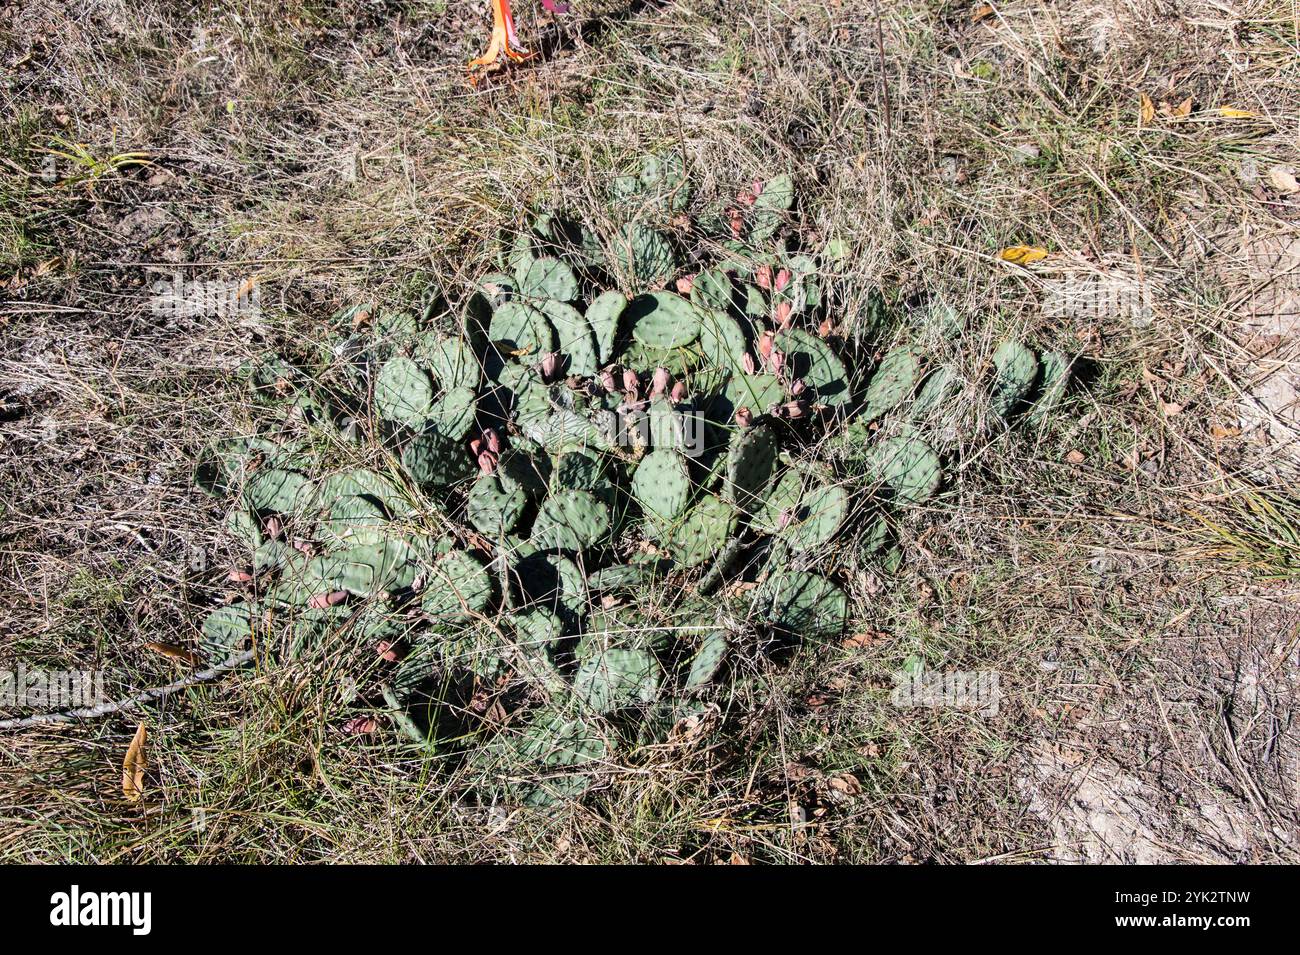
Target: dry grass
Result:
[1139, 605]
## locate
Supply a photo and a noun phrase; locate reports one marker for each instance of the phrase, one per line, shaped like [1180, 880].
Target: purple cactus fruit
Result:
[764, 277]
[659, 382]
[782, 280]
[784, 315]
[487, 462]
[679, 392]
[493, 442]
[550, 366]
[747, 362]
[744, 417]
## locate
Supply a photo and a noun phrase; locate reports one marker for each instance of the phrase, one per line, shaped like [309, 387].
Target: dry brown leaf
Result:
[1022, 254]
[1171, 408]
[1148, 110]
[173, 652]
[868, 638]
[1283, 179]
[1220, 432]
[845, 783]
[982, 11]
[134, 765]
[1075, 457]
[1184, 108]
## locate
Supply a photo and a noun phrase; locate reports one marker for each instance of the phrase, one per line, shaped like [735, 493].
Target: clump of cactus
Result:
[561, 485]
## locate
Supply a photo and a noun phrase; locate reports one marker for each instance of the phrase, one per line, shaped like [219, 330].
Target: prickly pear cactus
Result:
[531, 494]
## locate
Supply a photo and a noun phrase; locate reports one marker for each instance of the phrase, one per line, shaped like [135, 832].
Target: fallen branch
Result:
[136, 699]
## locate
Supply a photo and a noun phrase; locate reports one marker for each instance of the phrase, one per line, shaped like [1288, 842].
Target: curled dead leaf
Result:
[134, 765]
[1147, 111]
[1075, 457]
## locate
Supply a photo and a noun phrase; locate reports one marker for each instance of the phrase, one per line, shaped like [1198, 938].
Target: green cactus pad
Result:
[557, 745]
[458, 588]
[242, 525]
[570, 520]
[452, 415]
[663, 320]
[435, 462]
[891, 383]
[769, 209]
[703, 532]
[521, 330]
[939, 387]
[403, 392]
[712, 290]
[616, 679]
[276, 491]
[813, 515]
[751, 462]
[706, 662]
[495, 504]
[662, 486]
[451, 361]
[645, 254]
[758, 393]
[226, 630]
[498, 288]
[549, 278]
[815, 362]
[361, 481]
[620, 576]
[1054, 380]
[1016, 369]
[353, 518]
[910, 467]
[577, 343]
[603, 315]
[805, 604]
[722, 340]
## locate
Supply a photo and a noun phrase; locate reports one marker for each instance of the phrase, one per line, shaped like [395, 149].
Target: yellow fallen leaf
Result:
[982, 11]
[1283, 179]
[1023, 254]
[1147, 111]
[1184, 108]
[134, 765]
[1231, 112]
